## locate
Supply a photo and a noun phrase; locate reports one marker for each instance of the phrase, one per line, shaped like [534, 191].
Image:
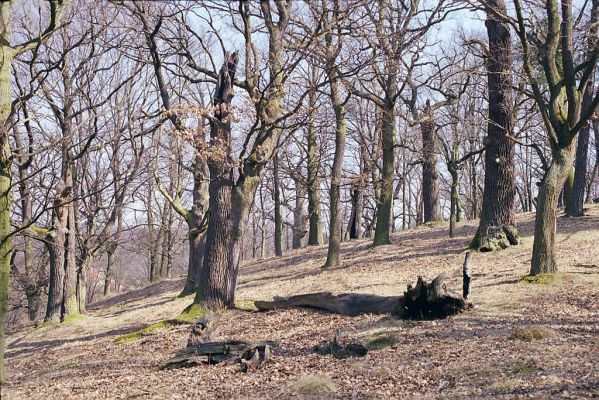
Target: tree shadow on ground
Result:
[139, 294]
[20, 348]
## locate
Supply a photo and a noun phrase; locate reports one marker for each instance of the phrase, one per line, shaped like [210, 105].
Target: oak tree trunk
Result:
[430, 170]
[497, 221]
[574, 207]
[278, 216]
[543, 251]
[385, 200]
[315, 231]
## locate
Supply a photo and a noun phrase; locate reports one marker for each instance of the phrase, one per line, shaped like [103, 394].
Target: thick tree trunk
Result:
[196, 274]
[430, 171]
[497, 222]
[195, 268]
[385, 201]
[56, 283]
[222, 252]
[62, 292]
[543, 251]
[220, 241]
[278, 216]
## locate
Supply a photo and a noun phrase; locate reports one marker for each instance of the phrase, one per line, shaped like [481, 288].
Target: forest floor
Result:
[521, 340]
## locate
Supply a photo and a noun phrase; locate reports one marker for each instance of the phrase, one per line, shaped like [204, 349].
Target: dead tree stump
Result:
[429, 301]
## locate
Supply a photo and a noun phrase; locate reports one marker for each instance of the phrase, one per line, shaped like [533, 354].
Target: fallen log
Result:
[423, 301]
[250, 356]
[345, 303]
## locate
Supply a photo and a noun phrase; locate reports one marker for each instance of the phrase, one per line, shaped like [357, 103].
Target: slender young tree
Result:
[312, 165]
[332, 28]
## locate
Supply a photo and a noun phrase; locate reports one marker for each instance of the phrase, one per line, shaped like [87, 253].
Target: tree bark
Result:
[430, 170]
[315, 231]
[111, 260]
[543, 251]
[454, 209]
[278, 216]
[385, 200]
[576, 203]
[222, 252]
[332, 50]
[498, 209]
[299, 216]
[357, 204]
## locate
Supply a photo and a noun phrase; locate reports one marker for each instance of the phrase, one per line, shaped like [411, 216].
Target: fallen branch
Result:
[250, 356]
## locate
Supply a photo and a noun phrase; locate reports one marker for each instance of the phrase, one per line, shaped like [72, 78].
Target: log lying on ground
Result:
[345, 304]
[202, 348]
[250, 356]
[424, 301]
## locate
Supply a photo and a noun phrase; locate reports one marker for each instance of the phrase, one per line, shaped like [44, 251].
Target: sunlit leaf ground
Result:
[521, 340]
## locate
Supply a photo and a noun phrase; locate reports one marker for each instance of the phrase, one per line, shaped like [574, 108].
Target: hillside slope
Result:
[484, 353]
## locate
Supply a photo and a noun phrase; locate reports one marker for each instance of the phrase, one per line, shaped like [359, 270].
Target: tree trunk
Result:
[299, 217]
[278, 216]
[543, 251]
[6, 55]
[82, 284]
[385, 201]
[71, 303]
[194, 279]
[56, 284]
[576, 202]
[454, 212]
[430, 171]
[567, 194]
[32, 282]
[498, 210]
[334, 249]
[221, 256]
[111, 259]
[315, 231]
[195, 218]
[357, 205]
